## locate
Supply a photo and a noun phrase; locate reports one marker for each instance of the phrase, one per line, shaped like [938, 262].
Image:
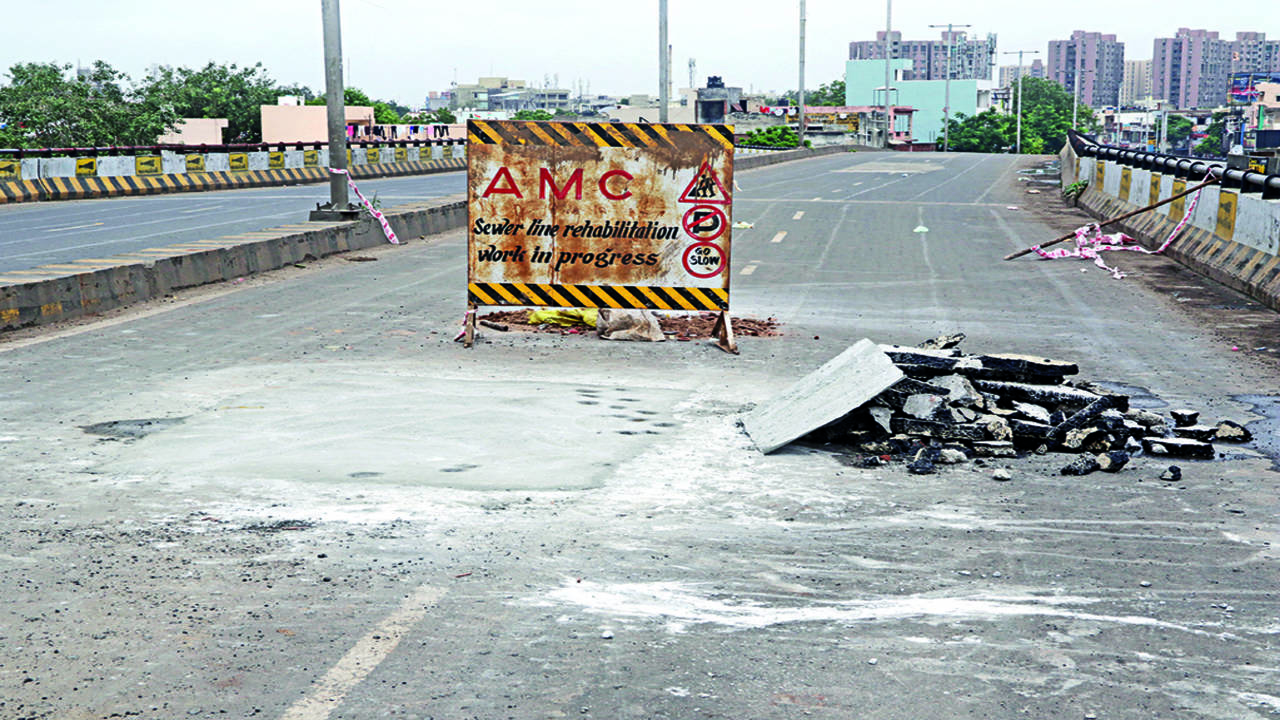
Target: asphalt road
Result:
[337, 512]
[34, 234]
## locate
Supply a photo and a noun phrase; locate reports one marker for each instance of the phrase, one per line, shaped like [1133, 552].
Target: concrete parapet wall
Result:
[74, 188]
[1232, 237]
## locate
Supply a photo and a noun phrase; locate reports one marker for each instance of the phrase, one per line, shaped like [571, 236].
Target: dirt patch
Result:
[678, 327]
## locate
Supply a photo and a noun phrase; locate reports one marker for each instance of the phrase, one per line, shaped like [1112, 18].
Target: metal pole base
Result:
[326, 213]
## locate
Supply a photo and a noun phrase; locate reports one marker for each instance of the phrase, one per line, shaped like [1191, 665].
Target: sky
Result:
[400, 49]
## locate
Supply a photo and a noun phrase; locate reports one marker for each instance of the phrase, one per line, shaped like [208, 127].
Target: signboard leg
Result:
[724, 334]
[469, 326]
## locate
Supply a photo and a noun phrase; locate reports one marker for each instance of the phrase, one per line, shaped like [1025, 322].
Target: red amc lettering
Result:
[510, 189]
[604, 187]
[545, 179]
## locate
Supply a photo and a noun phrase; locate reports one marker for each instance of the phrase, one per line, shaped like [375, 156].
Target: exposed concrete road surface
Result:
[46, 233]
[337, 512]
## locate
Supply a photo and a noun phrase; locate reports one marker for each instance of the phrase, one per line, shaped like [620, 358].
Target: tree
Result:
[384, 115]
[1212, 144]
[445, 116]
[1046, 117]
[989, 131]
[217, 91]
[535, 115]
[830, 94]
[1179, 130]
[40, 107]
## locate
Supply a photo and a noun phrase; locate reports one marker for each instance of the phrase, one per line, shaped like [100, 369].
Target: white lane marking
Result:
[73, 227]
[749, 269]
[200, 210]
[817, 198]
[368, 653]
[778, 238]
[55, 251]
[799, 214]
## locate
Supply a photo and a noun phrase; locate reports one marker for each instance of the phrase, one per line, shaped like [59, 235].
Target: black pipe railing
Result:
[127, 150]
[1244, 180]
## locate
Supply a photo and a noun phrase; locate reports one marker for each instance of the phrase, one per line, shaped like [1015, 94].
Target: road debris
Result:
[685, 326]
[949, 407]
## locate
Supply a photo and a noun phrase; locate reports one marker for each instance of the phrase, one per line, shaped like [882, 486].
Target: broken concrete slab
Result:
[938, 430]
[1184, 418]
[1051, 395]
[1230, 431]
[846, 382]
[1203, 433]
[1023, 368]
[1178, 447]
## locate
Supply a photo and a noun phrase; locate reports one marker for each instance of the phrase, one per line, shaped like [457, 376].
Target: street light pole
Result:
[338, 208]
[663, 62]
[888, 75]
[1019, 53]
[800, 93]
[946, 103]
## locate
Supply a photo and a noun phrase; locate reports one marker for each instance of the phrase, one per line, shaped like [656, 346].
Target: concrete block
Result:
[846, 382]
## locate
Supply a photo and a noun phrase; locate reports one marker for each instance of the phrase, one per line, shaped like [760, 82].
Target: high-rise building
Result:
[1252, 52]
[1009, 73]
[1191, 69]
[1090, 66]
[1136, 85]
[970, 59]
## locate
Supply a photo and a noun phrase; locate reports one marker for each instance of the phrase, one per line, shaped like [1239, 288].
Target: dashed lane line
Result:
[329, 691]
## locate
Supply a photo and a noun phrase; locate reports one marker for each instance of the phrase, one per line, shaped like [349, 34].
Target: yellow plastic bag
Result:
[564, 318]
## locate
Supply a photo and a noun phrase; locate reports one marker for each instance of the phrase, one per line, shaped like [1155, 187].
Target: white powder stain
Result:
[681, 606]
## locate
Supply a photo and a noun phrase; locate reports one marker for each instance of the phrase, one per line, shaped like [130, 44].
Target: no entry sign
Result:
[614, 215]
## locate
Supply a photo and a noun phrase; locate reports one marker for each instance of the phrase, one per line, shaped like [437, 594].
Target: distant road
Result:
[34, 234]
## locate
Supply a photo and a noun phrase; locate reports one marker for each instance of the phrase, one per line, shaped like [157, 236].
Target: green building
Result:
[864, 85]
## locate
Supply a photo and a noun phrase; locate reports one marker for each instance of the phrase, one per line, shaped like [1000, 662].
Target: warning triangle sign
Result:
[705, 188]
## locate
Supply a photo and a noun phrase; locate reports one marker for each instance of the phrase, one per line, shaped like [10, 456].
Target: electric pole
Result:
[800, 95]
[946, 103]
[664, 68]
[338, 208]
[1019, 53]
[888, 74]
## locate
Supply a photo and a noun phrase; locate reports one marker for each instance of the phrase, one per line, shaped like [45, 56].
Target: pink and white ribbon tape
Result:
[1091, 242]
[386, 227]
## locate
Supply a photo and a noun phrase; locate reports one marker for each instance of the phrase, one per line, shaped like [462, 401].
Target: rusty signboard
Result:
[608, 215]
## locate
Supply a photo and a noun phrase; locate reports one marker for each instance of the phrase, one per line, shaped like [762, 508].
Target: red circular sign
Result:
[704, 259]
[705, 222]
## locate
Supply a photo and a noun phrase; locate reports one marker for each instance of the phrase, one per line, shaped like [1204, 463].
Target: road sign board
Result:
[596, 214]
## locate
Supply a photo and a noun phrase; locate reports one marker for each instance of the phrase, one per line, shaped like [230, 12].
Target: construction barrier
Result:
[1233, 237]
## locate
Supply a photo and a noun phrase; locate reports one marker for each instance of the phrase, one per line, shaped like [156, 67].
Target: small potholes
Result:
[280, 526]
[461, 467]
[1266, 432]
[131, 429]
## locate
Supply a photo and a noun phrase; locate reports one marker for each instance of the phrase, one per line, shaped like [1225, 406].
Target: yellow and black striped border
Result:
[559, 134]
[598, 296]
[77, 188]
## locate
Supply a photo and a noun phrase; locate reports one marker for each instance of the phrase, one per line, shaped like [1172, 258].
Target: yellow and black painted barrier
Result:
[90, 186]
[598, 296]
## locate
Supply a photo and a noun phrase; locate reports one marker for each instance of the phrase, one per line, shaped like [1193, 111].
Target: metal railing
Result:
[1244, 180]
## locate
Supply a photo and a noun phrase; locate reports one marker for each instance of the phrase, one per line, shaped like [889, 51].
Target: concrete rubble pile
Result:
[951, 407]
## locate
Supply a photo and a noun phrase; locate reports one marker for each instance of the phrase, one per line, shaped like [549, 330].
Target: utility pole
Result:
[888, 74]
[800, 94]
[1075, 88]
[1019, 53]
[664, 67]
[946, 103]
[338, 208]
